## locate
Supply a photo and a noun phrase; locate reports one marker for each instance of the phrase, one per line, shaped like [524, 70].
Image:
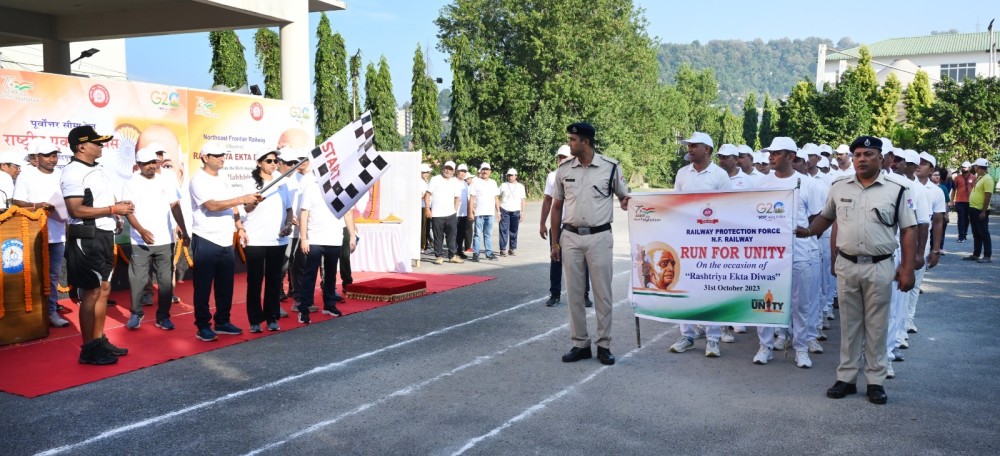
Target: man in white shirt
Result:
[152, 237]
[41, 191]
[463, 237]
[484, 206]
[93, 208]
[512, 201]
[728, 157]
[746, 161]
[426, 230]
[700, 175]
[212, 203]
[441, 201]
[939, 208]
[10, 167]
[845, 166]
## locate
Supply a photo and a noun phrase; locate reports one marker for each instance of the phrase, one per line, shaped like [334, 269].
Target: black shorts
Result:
[88, 261]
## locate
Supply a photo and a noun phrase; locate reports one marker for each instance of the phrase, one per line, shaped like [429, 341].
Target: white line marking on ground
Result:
[541, 405]
[236, 394]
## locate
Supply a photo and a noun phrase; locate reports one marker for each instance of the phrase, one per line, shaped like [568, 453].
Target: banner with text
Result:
[712, 258]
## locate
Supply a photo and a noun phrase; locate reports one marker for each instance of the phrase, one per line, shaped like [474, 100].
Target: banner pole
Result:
[290, 171]
[638, 340]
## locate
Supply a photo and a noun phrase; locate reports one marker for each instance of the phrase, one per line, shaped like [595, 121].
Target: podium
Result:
[24, 282]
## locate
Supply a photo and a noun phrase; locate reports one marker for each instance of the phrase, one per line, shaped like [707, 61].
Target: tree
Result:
[802, 123]
[768, 122]
[462, 113]
[229, 67]
[917, 98]
[267, 48]
[355, 73]
[884, 117]
[330, 78]
[426, 121]
[382, 103]
[730, 131]
[961, 124]
[701, 90]
[750, 122]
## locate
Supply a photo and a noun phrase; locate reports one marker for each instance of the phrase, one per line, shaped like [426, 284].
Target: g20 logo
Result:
[257, 111]
[165, 100]
[300, 113]
[771, 208]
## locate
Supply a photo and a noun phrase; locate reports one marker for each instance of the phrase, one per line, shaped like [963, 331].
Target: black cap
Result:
[84, 134]
[582, 129]
[870, 142]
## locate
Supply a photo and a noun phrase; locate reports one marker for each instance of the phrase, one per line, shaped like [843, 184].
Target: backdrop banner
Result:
[712, 258]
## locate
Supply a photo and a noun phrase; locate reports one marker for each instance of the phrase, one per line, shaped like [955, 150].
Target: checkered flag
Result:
[346, 165]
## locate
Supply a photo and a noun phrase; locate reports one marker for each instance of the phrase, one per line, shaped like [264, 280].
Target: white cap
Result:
[728, 150]
[825, 148]
[824, 162]
[146, 154]
[425, 168]
[463, 167]
[699, 138]
[803, 154]
[263, 153]
[564, 151]
[843, 149]
[966, 164]
[887, 147]
[484, 166]
[213, 148]
[910, 155]
[745, 149]
[449, 164]
[41, 146]
[761, 157]
[929, 158]
[511, 172]
[288, 154]
[810, 149]
[982, 163]
[14, 157]
[781, 143]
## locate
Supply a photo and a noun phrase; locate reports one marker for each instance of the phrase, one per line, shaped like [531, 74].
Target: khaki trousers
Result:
[864, 292]
[580, 252]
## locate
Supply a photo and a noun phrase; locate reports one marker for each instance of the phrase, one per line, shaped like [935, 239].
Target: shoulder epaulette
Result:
[896, 179]
[608, 159]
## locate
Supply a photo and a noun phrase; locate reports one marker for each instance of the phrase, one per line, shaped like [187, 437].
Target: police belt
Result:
[862, 259]
[585, 230]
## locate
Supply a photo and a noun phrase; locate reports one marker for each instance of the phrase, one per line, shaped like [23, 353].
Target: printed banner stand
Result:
[712, 258]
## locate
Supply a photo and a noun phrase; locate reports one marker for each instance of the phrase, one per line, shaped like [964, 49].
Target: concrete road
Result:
[477, 371]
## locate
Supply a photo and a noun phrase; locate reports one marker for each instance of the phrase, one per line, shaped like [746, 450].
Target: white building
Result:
[956, 56]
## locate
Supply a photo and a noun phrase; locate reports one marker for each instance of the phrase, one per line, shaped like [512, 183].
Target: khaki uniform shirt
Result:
[585, 191]
[859, 230]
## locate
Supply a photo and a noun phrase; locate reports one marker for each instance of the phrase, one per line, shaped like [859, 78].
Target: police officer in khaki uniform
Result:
[585, 188]
[867, 207]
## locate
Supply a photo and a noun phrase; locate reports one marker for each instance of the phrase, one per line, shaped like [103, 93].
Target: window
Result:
[958, 71]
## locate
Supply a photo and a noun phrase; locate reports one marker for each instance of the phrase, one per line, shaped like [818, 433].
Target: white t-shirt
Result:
[264, 224]
[550, 181]
[808, 204]
[823, 182]
[6, 189]
[295, 183]
[39, 187]
[463, 204]
[324, 228]
[938, 205]
[443, 193]
[216, 227]
[921, 201]
[152, 199]
[511, 196]
[485, 191]
[712, 177]
[741, 181]
[77, 177]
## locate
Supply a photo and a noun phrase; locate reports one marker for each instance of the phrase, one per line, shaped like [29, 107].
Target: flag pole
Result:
[275, 181]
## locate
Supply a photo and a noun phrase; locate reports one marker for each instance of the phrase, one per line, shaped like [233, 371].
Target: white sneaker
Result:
[802, 360]
[890, 373]
[902, 343]
[814, 347]
[826, 324]
[821, 335]
[740, 329]
[763, 355]
[727, 335]
[910, 327]
[57, 320]
[699, 332]
[712, 349]
[682, 345]
[829, 315]
[781, 343]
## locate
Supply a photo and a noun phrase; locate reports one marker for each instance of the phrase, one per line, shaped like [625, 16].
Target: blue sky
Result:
[394, 27]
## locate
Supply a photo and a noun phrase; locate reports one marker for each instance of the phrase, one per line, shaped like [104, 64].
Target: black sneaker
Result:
[587, 302]
[491, 257]
[206, 334]
[332, 310]
[304, 318]
[228, 328]
[475, 257]
[93, 352]
[110, 348]
[552, 302]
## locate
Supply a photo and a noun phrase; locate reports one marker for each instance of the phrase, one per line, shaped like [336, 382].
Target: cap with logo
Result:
[728, 150]
[582, 129]
[85, 134]
[870, 142]
[761, 157]
[699, 138]
[512, 172]
[810, 149]
[825, 149]
[982, 163]
[564, 151]
[929, 159]
[780, 143]
[745, 150]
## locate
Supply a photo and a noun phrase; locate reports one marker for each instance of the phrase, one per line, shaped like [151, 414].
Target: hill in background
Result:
[742, 67]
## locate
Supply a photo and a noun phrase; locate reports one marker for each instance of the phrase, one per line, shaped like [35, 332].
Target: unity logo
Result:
[768, 304]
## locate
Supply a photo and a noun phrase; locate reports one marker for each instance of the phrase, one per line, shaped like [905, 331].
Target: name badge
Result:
[846, 200]
[570, 180]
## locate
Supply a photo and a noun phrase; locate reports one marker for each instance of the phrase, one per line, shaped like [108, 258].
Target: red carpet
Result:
[47, 365]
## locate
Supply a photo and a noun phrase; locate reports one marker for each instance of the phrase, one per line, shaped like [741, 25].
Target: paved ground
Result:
[477, 371]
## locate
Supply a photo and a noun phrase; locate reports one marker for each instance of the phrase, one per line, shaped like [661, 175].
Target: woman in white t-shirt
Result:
[321, 240]
[268, 225]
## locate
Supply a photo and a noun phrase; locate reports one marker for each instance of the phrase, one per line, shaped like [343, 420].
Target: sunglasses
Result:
[219, 156]
[270, 161]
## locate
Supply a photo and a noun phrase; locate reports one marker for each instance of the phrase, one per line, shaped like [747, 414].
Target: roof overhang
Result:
[36, 21]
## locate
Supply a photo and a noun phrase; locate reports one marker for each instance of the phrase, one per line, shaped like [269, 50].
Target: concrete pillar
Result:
[295, 83]
[55, 57]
